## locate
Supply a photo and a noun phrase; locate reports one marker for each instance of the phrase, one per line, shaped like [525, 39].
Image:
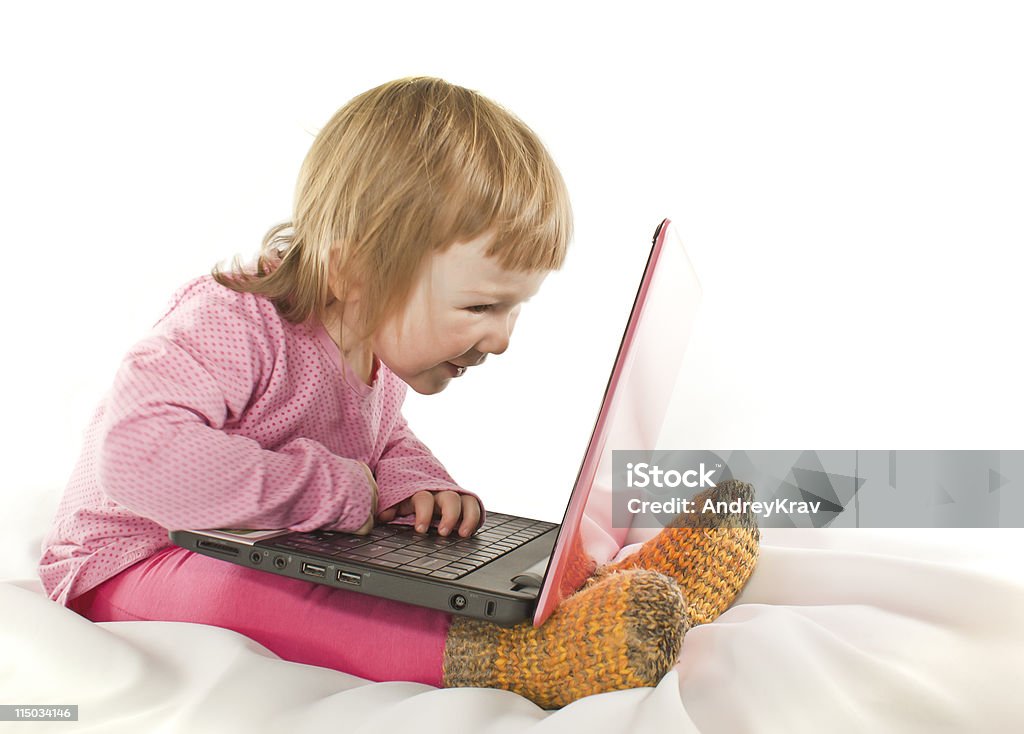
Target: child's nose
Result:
[498, 340]
[498, 343]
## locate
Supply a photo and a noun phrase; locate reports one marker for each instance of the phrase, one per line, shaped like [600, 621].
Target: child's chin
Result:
[427, 384]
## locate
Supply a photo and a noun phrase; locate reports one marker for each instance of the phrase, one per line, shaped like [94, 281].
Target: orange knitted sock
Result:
[710, 554]
[623, 630]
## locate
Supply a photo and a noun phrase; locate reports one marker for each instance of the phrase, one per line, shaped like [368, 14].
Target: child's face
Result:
[463, 307]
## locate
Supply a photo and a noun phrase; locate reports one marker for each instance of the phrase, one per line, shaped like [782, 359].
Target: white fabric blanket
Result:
[837, 631]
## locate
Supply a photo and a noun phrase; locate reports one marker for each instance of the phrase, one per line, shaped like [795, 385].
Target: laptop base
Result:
[488, 593]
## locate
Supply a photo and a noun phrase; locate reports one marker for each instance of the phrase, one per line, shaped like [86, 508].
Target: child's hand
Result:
[368, 525]
[449, 506]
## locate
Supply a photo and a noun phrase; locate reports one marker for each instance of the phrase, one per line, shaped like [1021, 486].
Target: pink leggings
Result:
[372, 638]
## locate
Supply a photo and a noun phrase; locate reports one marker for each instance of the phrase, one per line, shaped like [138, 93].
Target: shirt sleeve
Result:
[408, 466]
[164, 452]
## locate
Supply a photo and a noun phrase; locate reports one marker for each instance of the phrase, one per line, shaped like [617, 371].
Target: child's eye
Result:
[480, 309]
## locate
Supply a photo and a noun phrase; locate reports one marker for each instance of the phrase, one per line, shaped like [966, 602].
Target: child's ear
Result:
[353, 293]
[342, 286]
[349, 295]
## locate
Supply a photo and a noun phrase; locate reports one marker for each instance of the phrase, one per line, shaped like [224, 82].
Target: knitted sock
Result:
[622, 631]
[711, 554]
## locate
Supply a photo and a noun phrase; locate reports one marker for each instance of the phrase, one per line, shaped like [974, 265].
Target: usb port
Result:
[312, 570]
[347, 577]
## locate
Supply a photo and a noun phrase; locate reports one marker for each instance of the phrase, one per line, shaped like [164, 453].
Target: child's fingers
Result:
[423, 507]
[405, 507]
[450, 505]
[446, 505]
[470, 515]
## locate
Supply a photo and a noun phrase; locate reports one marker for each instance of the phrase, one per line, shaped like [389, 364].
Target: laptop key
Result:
[370, 551]
[430, 562]
[460, 567]
[433, 543]
[286, 544]
[444, 574]
[474, 559]
[392, 542]
[445, 540]
[398, 557]
[445, 554]
[473, 543]
[416, 569]
[351, 541]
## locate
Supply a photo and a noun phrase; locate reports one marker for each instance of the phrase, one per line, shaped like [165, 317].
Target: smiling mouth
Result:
[472, 364]
[456, 369]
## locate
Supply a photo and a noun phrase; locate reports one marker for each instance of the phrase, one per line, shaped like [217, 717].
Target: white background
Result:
[847, 178]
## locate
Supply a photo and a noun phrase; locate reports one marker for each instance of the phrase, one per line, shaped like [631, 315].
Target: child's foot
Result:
[621, 631]
[711, 554]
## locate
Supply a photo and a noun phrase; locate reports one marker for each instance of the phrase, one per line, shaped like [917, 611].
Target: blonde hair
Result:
[403, 170]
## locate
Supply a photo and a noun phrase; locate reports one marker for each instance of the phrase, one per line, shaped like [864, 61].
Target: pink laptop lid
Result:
[632, 412]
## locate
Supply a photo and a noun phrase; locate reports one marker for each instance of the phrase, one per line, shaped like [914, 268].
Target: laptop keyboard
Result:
[430, 554]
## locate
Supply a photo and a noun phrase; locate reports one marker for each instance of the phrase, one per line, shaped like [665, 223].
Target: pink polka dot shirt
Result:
[228, 416]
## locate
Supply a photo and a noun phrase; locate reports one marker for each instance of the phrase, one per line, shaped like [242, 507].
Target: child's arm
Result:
[166, 448]
[164, 455]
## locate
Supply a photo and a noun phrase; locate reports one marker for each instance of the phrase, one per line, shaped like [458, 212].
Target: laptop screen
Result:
[632, 412]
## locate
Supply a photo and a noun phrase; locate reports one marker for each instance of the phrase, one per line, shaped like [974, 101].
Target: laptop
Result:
[513, 568]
